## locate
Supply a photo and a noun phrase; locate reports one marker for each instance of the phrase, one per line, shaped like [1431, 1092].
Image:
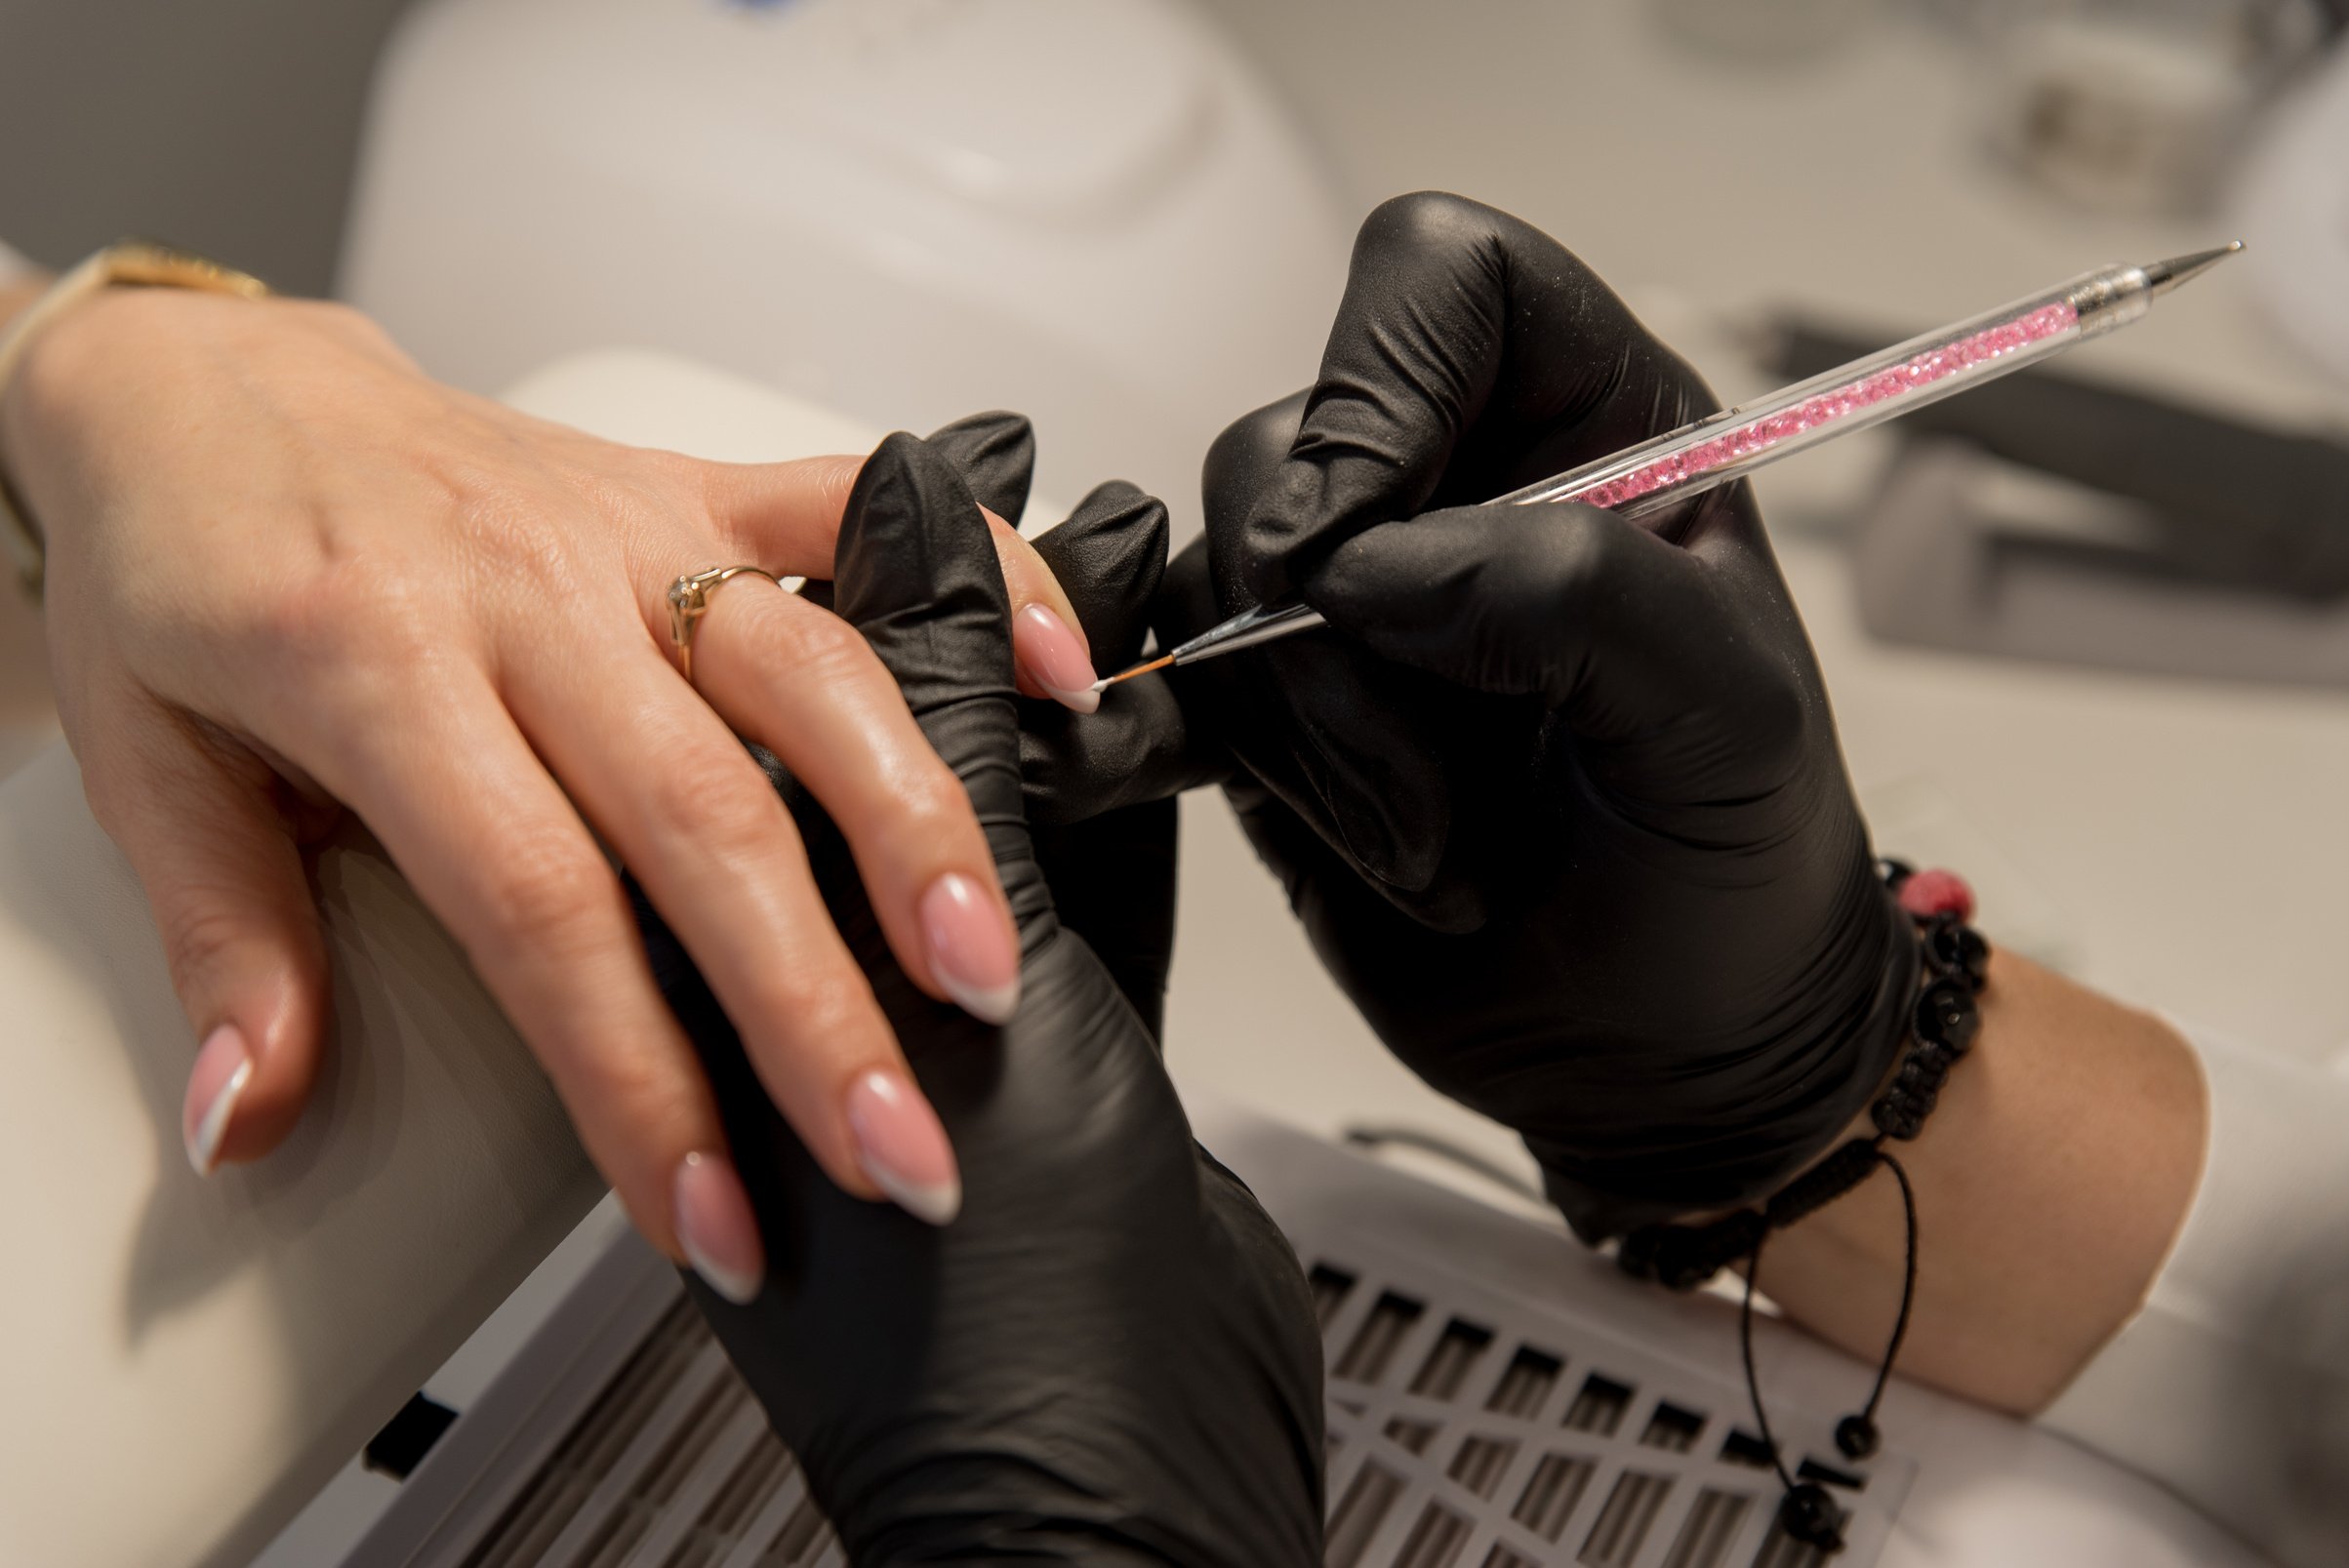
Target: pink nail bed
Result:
[973, 951]
[902, 1146]
[1055, 658]
[224, 1067]
[715, 1228]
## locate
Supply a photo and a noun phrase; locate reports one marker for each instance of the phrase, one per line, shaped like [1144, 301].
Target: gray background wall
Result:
[223, 124]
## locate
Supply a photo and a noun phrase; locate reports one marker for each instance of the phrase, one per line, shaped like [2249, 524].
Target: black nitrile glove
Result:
[1558, 797]
[1112, 873]
[1110, 1356]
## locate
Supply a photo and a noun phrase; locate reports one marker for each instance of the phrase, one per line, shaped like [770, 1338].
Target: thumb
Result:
[198, 818]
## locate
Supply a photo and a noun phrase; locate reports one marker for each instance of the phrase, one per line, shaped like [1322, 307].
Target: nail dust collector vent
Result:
[1471, 1430]
[1469, 1427]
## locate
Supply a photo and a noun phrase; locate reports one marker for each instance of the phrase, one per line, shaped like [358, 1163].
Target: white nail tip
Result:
[1084, 701]
[989, 1004]
[732, 1283]
[931, 1202]
[204, 1148]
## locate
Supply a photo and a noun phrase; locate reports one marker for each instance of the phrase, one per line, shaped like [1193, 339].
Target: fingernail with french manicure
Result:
[973, 951]
[224, 1067]
[717, 1229]
[901, 1146]
[1055, 658]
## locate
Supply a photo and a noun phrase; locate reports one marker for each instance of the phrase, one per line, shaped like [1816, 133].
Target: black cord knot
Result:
[1681, 1258]
[1900, 1114]
[1809, 1515]
[1856, 1437]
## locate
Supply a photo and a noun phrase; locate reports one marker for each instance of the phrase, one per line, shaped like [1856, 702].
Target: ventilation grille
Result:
[1470, 1431]
[1466, 1430]
[672, 1465]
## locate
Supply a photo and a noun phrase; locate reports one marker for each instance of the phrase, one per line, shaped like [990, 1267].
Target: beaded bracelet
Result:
[1682, 1256]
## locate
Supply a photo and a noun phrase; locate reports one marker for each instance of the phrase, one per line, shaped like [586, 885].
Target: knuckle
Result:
[1575, 560]
[811, 643]
[352, 601]
[1782, 713]
[814, 1000]
[516, 536]
[1424, 220]
[930, 805]
[712, 794]
[1246, 457]
[197, 931]
[547, 895]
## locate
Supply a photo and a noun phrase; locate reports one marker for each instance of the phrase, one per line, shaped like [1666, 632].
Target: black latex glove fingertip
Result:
[1110, 557]
[996, 453]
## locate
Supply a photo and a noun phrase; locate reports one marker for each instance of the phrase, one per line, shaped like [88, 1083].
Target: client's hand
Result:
[290, 574]
[1559, 799]
[1110, 1356]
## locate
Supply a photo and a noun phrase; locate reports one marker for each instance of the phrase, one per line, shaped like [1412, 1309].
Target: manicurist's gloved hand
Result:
[1110, 1356]
[1112, 872]
[1558, 797]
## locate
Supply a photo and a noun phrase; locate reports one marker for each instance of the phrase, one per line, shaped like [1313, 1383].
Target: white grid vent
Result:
[1471, 1430]
[673, 1465]
[1484, 1411]
[1464, 1432]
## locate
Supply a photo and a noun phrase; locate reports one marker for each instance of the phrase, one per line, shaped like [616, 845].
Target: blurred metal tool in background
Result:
[2055, 519]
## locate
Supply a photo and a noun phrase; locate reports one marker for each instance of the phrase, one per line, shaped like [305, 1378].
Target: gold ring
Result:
[689, 601]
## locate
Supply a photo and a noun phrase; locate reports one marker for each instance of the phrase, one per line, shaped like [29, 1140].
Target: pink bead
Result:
[1936, 891]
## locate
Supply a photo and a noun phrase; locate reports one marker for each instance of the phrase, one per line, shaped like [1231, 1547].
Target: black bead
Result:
[1957, 949]
[1897, 1115]
[1637, 1256]
[1855, 1438]
[1934, 1059]
[1809, 1515]
[1893, 872]
[1946, 1014]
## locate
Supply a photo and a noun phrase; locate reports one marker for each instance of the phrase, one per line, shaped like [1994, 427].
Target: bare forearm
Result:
[2051, 1181]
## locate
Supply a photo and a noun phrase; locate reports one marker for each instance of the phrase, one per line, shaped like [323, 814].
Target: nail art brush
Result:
[1660, 473]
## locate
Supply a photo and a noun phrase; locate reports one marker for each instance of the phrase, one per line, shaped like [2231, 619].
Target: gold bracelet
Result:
[132, 263]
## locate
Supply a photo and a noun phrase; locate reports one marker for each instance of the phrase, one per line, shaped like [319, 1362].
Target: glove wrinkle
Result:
[1110, 1357]
[1558, 797]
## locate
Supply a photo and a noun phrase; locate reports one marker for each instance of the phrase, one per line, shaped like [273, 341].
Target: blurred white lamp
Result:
[907, 210]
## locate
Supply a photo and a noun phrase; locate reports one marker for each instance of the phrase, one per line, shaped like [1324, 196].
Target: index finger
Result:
[786, 517]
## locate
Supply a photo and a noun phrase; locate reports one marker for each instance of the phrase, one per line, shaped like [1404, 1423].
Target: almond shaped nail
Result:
[902, 1146]
[1055, 658]
[715, 1228]
[974, 953]
[224, 1067]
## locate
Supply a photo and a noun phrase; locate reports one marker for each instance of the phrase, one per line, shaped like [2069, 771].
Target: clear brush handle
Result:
[1722, 447]
[1714, 451]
